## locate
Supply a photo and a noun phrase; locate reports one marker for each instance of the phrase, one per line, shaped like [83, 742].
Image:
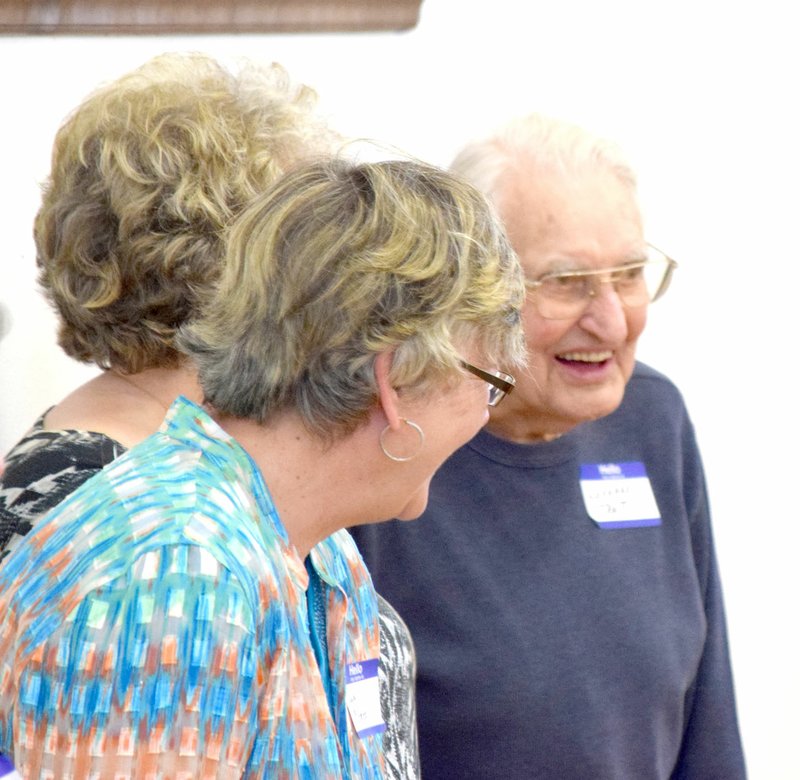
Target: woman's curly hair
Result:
[338, 262]
[146, 175]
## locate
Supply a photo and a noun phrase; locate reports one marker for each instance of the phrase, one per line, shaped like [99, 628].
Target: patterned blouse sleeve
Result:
[153, 673]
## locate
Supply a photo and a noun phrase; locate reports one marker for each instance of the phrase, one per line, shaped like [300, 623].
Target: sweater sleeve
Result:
[711, 748]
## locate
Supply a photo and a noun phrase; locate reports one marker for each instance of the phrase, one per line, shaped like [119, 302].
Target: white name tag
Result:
[619, 495]
[7, 771]
[362, 695]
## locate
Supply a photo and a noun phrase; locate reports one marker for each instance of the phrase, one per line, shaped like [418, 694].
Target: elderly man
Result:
[562, 587]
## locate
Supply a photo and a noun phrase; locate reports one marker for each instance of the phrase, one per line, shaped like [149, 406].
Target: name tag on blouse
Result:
[7, 771]
[363, 698]
[619, 495]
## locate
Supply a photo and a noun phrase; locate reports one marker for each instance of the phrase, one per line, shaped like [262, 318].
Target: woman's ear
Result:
[387, 395]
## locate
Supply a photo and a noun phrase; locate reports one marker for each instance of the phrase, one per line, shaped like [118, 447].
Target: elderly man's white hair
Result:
[538, 144]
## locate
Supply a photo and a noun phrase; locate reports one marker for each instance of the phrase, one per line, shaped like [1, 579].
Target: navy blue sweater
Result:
[549, 647]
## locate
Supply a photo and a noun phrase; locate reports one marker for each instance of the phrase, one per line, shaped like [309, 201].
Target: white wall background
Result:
[702, 94]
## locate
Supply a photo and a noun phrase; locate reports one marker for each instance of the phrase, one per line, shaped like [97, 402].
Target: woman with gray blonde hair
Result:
[221, 620]
[146, 174]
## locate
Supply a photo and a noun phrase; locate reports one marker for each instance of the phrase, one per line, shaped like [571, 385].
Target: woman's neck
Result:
[124, 407]
[317, 488]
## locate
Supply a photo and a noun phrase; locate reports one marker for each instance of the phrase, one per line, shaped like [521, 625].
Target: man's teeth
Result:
[586, 357]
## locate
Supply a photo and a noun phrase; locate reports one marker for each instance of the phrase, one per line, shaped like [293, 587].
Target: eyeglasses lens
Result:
[495, 395]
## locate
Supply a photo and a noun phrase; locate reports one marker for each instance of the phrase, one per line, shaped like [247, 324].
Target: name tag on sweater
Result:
[619, 495]
[363, 697]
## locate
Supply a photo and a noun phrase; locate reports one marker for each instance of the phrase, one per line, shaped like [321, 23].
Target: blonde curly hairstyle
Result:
[146, 174]
[339, 262]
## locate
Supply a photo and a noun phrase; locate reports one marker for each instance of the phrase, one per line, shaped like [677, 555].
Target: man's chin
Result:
[593, 406]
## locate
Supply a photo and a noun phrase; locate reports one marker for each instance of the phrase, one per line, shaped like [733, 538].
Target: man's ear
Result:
[387, 395]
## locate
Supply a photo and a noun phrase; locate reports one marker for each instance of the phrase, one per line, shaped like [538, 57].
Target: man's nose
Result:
[605, 312]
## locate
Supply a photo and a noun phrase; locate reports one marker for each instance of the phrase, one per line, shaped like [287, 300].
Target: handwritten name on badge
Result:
[619, 495]
[362, 696]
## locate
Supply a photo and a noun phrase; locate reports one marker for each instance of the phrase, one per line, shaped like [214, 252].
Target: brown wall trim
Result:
[205, 16]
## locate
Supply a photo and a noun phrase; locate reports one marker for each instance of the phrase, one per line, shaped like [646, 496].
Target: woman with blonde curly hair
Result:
[197, 608]
[147, 172]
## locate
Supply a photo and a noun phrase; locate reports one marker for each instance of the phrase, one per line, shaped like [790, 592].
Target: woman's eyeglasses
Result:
[500, 384]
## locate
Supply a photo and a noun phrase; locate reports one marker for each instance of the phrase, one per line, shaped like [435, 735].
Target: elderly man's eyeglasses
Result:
[500, 384]
[563, 295]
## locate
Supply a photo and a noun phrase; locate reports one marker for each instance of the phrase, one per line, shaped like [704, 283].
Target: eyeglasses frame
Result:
[671, 265]
[503, 383]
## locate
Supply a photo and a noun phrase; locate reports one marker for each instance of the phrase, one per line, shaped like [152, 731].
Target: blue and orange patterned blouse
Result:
[155, 624]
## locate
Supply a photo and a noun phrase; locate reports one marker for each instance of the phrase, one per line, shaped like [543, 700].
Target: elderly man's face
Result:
[578, 366]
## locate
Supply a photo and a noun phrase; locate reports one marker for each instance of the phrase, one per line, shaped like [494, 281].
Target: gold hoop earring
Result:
[403, 458]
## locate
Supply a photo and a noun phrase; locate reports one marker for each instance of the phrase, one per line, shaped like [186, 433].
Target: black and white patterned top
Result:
[46, 466]
[397, 677]
[41, 470]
